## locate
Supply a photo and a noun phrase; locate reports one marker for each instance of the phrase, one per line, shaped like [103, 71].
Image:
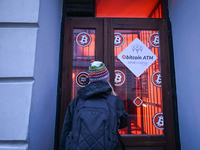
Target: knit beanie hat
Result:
[98, 71]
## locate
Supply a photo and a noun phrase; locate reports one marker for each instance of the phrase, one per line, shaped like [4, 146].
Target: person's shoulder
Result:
[74, 101]
[118, 100]
[116, 97]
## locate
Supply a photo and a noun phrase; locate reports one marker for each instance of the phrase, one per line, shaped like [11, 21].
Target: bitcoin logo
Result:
[118, 39]
[156, 79]
[119, 78]
[154, 39]
[158, 121]
[83, 39]
[124, 56]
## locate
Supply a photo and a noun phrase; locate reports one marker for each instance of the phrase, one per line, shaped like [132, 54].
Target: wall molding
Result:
[16, 79]
[18, 25]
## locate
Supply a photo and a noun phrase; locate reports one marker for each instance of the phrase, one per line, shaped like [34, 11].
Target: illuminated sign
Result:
[137, 57]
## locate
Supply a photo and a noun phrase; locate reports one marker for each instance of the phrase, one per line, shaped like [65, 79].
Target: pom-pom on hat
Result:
[98, 71]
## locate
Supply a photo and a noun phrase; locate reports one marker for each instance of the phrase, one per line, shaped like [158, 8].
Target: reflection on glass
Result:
[83, 55]
[142, 98]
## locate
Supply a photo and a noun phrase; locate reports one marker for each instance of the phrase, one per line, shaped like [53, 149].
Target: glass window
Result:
[83, 55]
[140, 86]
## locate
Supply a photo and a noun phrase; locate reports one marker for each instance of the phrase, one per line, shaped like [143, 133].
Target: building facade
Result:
[30, 37]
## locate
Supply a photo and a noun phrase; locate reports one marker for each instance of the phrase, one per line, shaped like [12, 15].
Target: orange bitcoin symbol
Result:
[156, 79]
[154, 39]
[158, 121]
[119, 78]
[83, 39]
[118, 39]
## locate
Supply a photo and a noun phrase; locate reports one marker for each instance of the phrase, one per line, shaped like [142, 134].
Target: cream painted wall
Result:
[44, 95]
[185, 19]
[29, 58]
[18, 30]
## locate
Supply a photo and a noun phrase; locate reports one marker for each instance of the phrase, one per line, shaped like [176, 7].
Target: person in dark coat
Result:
[99, 87]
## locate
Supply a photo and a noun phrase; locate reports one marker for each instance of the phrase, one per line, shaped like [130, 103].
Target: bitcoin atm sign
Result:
[137, 57]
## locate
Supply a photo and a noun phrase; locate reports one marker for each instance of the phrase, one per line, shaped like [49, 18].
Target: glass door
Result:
[141, 75]
[135, 52]
[83, 43]
[138, 80]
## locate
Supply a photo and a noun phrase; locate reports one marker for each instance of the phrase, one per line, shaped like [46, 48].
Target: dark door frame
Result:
[108, 57]
[168, 139]
[165, 14]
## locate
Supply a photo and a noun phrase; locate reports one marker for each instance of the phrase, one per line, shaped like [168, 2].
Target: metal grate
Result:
[80, 8]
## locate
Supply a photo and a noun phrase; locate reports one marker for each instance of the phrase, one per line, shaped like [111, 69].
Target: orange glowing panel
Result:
[125, 8]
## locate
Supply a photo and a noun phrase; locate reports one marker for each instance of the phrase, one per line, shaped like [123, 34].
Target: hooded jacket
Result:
[93, 90]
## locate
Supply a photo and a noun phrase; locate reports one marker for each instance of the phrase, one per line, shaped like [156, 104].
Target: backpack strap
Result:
[120, 139]
[119, 136]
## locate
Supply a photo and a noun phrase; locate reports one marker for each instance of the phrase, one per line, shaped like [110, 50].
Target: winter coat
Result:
[94, 89]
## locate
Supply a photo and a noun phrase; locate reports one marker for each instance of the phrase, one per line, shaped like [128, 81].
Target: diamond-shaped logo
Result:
[137, 57]
[137, 101]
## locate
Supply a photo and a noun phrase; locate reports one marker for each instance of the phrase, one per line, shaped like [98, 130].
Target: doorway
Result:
[136, 53]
